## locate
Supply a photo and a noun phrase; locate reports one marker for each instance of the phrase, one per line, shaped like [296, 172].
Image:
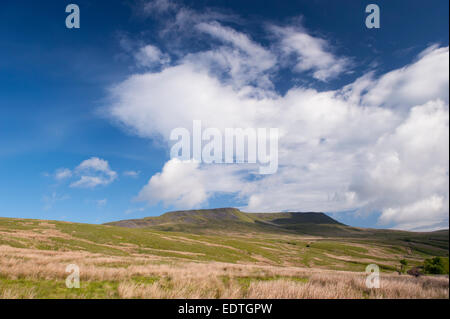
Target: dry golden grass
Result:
[324, 285]
[337, 286]
[16, 293]
[191, 280]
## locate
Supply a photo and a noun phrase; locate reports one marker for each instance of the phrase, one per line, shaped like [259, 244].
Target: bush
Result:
[403, 264]
[436, 266]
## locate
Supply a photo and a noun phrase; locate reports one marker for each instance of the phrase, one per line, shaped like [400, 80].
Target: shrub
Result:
[436, 266]
[403, 264]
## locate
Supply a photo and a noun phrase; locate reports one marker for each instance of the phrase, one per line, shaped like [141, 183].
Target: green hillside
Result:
[262, 243]
[233, 221]
[214, 254]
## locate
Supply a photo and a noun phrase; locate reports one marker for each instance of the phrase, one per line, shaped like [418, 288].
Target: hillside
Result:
[231, 219]
[233, 222]
[150, 262]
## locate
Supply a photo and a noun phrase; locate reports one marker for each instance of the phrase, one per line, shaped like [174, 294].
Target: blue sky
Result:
[94, 95]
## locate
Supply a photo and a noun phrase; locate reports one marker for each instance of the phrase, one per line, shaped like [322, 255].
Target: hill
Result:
[219, 262]
[234, 221]
[230, 220]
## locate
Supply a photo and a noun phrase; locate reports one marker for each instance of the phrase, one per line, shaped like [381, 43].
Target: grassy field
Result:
[261, 262]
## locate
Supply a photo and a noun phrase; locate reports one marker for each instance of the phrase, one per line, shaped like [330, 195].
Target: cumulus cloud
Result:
[245, 61]
[410, 216]
[426, 79]
[378, 144]
[186, 184]
[408, 169]
[93, 172]
[310, 53]
[179, 184]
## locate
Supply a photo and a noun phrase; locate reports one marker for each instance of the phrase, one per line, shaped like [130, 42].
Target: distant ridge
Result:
[233, 219]
[230, 220]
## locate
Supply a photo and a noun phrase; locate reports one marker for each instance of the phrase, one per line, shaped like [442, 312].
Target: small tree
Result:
[403, 264]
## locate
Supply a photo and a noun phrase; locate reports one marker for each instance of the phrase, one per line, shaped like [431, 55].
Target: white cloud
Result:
[52, 199]
[325, 149]
[94, 163]
[185, 184]
[94, 172]
[147, 98]
[311, 53]
[63, 173]
[245, 61]
[179, 184]
[376, 145]
[134, 210]
[415, 84]
[150, 56]
[234, 57]
[408, 169]
[411, 216]
[158, 6]
[133, 174]
[89, 182]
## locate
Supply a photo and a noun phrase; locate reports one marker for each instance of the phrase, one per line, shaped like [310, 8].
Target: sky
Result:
[363, 114]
